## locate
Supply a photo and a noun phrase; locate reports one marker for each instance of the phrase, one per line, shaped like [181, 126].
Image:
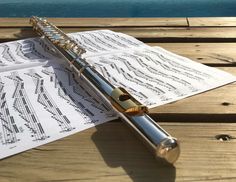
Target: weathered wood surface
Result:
[98, 22]
[151, 33]
[164, 29]
[212, 21]
[125, 22]
[110, 152]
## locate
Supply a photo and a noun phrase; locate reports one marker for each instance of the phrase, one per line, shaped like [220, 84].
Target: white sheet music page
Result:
[41, 100]
[154, 76]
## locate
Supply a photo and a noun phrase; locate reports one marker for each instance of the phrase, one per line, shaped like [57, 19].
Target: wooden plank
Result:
[123, 22]
[98, 22]
[110, 152]
[212, 21]
[148, 32]
[206, 53]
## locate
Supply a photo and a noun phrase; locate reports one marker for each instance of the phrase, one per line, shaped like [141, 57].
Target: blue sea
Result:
[117, 8]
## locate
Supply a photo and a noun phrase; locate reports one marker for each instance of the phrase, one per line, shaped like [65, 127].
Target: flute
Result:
[131, 111]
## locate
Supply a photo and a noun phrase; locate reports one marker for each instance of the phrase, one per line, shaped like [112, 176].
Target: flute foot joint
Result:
[169, 150]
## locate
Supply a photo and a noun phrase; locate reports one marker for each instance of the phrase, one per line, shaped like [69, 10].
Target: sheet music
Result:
[42, 101]
[154, 76]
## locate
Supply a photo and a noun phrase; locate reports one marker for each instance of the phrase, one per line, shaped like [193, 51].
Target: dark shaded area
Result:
[195, 118]
[187, 40]
[130, 154]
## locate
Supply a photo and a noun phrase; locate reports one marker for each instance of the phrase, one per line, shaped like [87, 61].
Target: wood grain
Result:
[139, 32]
[110, 152]
[212, 21]
[112, 22]
[98, 22]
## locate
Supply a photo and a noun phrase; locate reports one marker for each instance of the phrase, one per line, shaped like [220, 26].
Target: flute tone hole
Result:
[124, 97]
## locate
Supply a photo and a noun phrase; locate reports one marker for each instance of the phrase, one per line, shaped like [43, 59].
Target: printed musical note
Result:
[74, 91]
[23, 106]
[9, 127]
[49, 104]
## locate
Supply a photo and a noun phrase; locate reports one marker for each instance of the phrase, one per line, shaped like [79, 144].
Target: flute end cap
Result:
[169, 150]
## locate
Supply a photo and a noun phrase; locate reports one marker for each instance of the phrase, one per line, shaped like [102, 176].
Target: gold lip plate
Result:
[125, 103]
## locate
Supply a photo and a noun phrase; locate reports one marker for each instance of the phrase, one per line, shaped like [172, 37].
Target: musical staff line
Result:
[49, 104]
[9, 127]
[76, 95]
[7, 54]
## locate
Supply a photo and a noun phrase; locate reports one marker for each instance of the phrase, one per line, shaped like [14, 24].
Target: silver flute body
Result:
[128, 108]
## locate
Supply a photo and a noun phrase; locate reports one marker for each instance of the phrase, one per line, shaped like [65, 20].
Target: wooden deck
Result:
[110, 152]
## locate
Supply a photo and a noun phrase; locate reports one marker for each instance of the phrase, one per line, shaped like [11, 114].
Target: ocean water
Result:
[117, 8]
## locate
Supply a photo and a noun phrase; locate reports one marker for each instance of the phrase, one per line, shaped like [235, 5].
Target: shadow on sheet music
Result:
[120, 148]
[25, 33]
